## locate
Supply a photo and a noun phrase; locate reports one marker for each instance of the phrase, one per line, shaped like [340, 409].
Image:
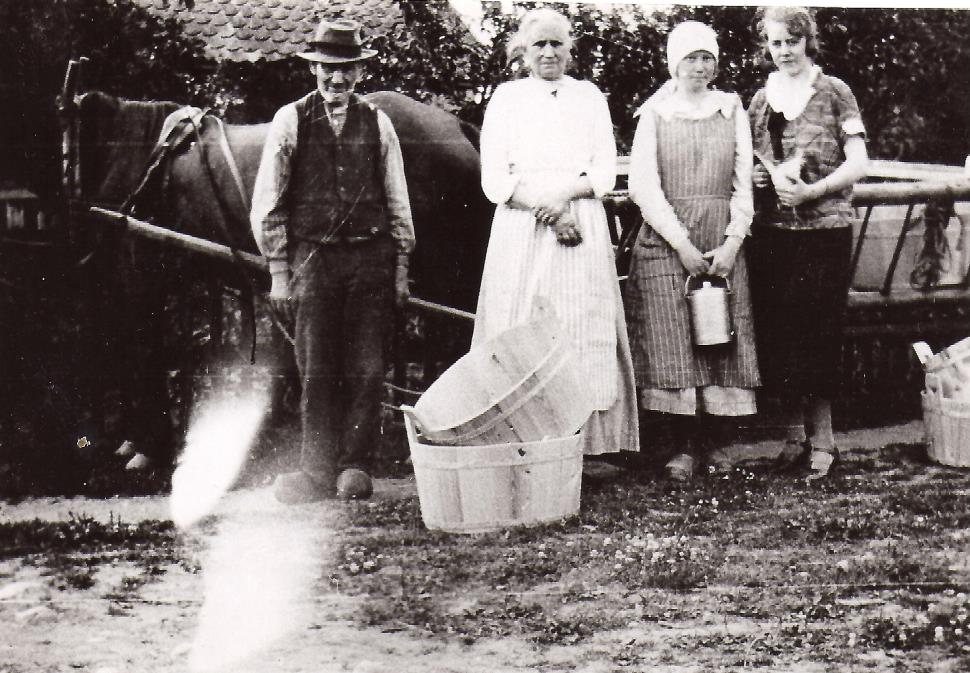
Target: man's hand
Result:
[402, 291]
[723, 256]
[692, 259]
[280, 298]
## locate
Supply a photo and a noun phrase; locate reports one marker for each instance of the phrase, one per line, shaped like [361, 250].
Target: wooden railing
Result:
[890, 306]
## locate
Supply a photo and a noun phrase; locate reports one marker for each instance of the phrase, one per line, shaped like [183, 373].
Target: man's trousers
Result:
[345, 305]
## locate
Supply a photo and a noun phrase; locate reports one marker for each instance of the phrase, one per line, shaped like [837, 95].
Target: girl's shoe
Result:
[354, 484]
[719, 462]
[680, 468]
[297, 488]
[820, 464]
[793, 457]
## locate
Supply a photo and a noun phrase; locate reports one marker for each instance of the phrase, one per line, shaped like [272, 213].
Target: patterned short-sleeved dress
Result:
[800, 257]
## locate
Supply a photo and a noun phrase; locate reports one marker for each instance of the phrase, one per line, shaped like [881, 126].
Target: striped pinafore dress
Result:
[695, 158]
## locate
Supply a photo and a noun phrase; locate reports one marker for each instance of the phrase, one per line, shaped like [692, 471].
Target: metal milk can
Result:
[708, 298]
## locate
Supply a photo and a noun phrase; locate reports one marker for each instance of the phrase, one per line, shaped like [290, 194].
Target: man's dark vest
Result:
[336, 191]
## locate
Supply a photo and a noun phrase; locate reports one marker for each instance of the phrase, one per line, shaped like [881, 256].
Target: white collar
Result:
[790, 96]
[552, 86]
[668, 105]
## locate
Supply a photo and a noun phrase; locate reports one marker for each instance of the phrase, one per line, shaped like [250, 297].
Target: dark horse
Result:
[197, 193]
[202, 185]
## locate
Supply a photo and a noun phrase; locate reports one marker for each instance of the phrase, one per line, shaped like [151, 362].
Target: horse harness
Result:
[181, 130]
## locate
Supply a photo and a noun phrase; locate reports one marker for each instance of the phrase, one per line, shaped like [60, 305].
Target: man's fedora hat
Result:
[337, 41]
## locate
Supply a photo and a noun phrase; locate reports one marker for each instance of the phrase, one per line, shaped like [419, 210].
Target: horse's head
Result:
[183, 169]
[116, 138]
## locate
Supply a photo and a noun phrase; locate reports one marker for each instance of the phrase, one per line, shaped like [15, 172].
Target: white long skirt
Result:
[524, 260]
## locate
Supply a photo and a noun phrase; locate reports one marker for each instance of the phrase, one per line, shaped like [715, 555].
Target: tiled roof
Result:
[252, 30]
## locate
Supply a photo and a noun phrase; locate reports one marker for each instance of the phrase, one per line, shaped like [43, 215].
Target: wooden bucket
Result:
[947, 423]
[522, 386]
[475, 489]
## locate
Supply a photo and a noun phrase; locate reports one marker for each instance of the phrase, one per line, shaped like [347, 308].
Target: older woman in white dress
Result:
[548, 156]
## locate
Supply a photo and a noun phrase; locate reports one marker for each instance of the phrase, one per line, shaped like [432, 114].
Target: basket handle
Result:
[923, 351]
[412, 421]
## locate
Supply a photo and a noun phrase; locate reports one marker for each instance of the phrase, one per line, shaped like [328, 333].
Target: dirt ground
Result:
[249, 594]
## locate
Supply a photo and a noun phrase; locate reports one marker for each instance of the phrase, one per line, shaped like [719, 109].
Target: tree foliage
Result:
[130, 51]
[910, 69]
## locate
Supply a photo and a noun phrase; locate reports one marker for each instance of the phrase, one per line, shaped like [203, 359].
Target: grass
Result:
[746, 570]
[752, 567]
[82, 533]
[71, 551]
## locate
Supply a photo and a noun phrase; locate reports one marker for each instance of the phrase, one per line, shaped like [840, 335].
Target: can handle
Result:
[708, 277]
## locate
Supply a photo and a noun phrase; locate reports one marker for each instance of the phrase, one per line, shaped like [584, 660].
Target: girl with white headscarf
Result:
[690, 174]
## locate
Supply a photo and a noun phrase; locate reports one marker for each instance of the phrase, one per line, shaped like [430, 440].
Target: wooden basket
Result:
[947, 372]
[954, 355]
[522, 386]
[475, 489]
[947, 424]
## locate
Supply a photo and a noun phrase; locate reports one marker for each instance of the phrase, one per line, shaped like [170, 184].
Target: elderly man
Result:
[331, 214]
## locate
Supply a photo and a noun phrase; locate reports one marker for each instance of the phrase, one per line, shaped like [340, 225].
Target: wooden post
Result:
[857, 253]
[898, 250]
[254, 263]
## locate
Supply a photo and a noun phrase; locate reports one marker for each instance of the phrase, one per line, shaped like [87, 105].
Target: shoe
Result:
[138, 463]
[680, 468]
[599, 470]
[719, 462]
[354, 484]
[297, 488]
[793, 456]
[820, 464]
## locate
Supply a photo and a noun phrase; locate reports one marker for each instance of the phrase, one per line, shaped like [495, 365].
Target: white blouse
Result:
[536, 130]
[645, 186]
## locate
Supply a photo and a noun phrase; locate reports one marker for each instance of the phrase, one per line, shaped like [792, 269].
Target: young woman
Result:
[810, 143]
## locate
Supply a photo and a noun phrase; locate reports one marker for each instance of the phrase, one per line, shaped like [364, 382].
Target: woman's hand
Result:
[795, 192]
[567, 231]
[760, 176]
[549, 208]
[723, 256]
[692, 259]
